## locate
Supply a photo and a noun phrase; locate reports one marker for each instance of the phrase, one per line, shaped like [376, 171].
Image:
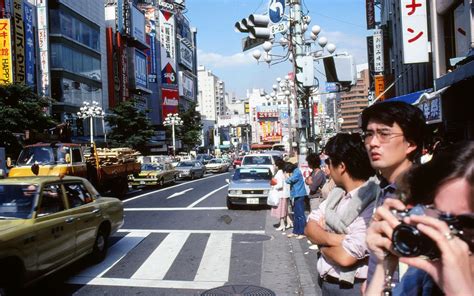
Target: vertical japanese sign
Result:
[19, 41]
[379, 86]
[168, 44]
[43, 44]
[378, 51]
[6, 71]
[29, 44]
[370, 14]
[170, 101]
[414, 31]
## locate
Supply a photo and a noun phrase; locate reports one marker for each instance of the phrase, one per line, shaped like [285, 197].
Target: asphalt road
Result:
[182, 240]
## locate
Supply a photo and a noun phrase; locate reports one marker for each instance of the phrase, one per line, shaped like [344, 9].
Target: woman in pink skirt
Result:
[281, 190]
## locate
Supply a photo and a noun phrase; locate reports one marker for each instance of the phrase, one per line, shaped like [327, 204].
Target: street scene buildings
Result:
[211, 147]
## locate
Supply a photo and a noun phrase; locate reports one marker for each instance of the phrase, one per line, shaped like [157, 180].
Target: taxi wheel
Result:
[100, 245]
[162, 183]
[192, 176]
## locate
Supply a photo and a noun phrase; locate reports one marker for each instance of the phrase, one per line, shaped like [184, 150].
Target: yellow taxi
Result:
[47, 223]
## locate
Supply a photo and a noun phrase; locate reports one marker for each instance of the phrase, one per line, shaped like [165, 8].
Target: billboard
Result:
[378, 51]
[6, 72]
[19, 41]
[414, 31]
[140, 69]
[170, 101]
[43, 44]
[138, 24]
[186, 85]
[168, 50]
[186, 55]
[29, 44]
[370, 14]
[379, 86]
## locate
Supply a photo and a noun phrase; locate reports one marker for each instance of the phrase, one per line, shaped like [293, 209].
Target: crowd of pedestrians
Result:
[383, 219]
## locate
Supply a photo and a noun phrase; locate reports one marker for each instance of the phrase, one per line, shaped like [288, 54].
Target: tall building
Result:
[353, 102]
[211, 94]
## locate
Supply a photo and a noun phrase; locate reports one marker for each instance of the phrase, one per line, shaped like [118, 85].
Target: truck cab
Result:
[52, 159]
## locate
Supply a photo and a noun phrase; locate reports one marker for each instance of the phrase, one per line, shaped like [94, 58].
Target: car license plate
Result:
[142, 182]
[252, 201]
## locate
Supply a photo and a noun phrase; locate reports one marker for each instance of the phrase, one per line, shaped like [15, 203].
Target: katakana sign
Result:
[378, 51]
[414, 31]
[6, 67]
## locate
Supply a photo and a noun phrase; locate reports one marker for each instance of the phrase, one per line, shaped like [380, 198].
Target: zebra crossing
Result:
[204, 255]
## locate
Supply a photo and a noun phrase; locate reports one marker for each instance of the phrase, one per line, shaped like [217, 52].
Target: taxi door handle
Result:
[70, 220]
[96, 211]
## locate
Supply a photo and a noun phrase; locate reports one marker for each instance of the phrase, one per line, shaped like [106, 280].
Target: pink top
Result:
[354, 242]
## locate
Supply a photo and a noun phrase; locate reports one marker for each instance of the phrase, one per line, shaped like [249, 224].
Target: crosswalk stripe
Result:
[215, 262]
[120, 282]
[115, 254]
[158, 263]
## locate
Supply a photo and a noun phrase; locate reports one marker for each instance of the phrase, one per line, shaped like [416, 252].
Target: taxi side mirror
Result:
[67, 157]
[228, 181]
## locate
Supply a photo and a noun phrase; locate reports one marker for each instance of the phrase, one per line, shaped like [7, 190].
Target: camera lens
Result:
[406, 240]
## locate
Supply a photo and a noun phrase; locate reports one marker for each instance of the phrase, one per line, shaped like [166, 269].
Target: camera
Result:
[408, 241]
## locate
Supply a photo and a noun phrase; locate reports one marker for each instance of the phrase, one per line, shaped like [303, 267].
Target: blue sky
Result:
[220, 49]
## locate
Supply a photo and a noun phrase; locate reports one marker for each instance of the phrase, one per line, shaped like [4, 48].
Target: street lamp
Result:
[90, 111]
[172, 120]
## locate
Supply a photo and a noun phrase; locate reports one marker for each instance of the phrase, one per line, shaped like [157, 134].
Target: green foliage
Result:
[190, 131]
[21, 109]
[130, 127]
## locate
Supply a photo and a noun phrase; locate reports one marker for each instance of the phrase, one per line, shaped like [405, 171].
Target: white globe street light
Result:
[90, 111]
[256, 54]
[173, 120]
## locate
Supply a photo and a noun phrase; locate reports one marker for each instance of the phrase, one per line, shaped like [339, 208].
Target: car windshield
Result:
[185, 164]
[215, 161]
[252, 174]
[17, 201]
[40, 155]
[152, 167]
[256, 160]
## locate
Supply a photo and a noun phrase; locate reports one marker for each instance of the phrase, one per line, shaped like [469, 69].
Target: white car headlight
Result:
[235, 192]
[266, 191]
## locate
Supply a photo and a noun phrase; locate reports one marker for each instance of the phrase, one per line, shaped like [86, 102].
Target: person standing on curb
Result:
[297, 193]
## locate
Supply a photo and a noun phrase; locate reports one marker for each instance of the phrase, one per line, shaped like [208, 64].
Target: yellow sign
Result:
[6, 67]
[247, 108]
[379, 86]
[20, 74]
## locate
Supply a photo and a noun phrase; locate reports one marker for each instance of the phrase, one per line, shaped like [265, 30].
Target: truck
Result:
[106, 169]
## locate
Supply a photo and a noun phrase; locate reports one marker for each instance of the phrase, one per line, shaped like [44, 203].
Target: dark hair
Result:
[410, 119]
[420, 183]
[289, 167]
[280, 163]
[313, 160]
[350, 150]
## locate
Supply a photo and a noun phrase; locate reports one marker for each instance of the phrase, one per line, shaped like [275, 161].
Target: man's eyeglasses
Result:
[384, 136]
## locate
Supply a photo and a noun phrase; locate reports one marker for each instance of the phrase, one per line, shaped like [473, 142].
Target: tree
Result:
[130, 127]
[190, 131]
[22, 110]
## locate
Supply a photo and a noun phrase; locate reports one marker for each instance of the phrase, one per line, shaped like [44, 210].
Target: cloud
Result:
[352, 44]
[215, 60]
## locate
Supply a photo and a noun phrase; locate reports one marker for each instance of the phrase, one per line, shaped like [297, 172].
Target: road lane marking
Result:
[121, 282]
[174, 209]
[159, 262]
[179, 193]
[215, 262]
[171, 187]
[148, 231]
[115, 254]
[206, 196]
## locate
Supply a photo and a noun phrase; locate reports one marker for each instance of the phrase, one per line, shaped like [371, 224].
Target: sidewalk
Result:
[289, 267]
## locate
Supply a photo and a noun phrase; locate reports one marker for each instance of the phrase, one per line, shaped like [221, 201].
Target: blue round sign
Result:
[276, 10]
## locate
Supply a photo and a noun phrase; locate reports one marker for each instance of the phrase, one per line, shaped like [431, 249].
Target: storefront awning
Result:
[409, 98]
[462, 72]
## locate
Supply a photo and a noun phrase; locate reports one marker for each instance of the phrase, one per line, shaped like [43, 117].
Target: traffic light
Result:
[256, 25]
[306, 76]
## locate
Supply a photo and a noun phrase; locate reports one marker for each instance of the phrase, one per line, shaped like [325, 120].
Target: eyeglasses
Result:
[384, 136]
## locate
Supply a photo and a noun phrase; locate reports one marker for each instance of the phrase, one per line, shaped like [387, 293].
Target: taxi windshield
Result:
[252, 174]
[17, 201]
[152, 167]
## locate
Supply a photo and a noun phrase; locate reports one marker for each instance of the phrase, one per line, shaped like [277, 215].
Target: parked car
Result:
[190, 169]
[154, 174]
[249, 186]
[47, 223]
[203, 158]
[260, 160]
[237, 161]
[217, 165]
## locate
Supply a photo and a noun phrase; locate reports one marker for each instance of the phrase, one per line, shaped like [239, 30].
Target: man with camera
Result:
[339, 225]
[435, 237]
[393, 134]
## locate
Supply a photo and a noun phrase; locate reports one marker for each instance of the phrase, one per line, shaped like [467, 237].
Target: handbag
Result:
[273, 199]
[273, 182]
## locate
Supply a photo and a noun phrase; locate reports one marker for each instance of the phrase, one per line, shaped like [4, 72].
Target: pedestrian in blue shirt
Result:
[297, 195]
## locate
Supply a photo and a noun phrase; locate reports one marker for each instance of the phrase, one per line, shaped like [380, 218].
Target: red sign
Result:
[268, 114]
[170, 101]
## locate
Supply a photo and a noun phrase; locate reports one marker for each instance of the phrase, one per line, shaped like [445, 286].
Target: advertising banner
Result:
[138, 24]
[170, 101]
[270, 131]
[168, 48]
[379, 86]
[140, 69]
[370, 60]
[414, 31]
[6, 72]
[19, 41]
[43, 44]
[29, 44]
[370, 14]
[378, 51]
[186, 56]
[186, 85]
[432, 109]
